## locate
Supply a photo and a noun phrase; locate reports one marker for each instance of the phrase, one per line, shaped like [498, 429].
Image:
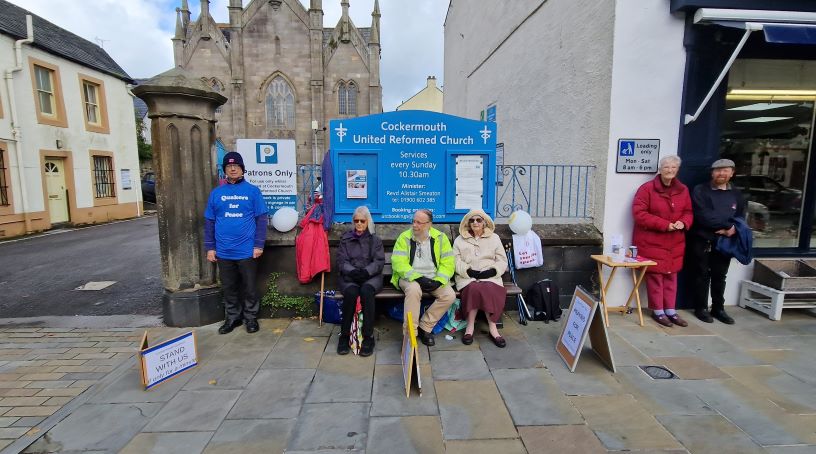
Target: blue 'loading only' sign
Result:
[398, 162]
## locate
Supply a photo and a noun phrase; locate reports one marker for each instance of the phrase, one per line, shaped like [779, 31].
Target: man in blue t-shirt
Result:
[234, 235]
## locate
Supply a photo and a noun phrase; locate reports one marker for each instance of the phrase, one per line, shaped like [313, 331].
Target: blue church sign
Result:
[398, 162]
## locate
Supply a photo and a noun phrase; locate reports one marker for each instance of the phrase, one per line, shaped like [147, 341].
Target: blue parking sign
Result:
[266, 152]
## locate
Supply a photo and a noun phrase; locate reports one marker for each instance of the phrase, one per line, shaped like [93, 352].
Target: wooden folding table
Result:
[640, 265]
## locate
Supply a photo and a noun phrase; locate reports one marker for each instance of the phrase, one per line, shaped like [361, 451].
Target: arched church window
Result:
[342, 99]
[351, 93]
[280, 105]
[347, 98]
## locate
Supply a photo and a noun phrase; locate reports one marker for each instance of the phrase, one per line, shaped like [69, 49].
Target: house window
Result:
[104, 179]
[44, 79]
[94, 106]
[4, 198]
[47, 91]
[90, 94]
[280, 105]
[347, 98]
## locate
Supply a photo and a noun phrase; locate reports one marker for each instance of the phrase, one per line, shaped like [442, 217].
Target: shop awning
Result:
[781, 27]
[790, 34]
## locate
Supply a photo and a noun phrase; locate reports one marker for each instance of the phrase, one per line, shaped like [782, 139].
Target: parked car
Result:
[769, 192]
[149, 187]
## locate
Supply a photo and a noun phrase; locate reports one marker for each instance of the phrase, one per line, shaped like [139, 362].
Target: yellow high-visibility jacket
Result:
[402, 257]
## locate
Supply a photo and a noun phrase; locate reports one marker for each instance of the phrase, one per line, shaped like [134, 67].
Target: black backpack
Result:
[542, 297]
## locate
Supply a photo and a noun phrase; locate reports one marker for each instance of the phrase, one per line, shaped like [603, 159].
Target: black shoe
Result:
[343, 347]
[368, 346]
[703, 315]
[252, 326]
[426, 338]
[722, 316]
[228, 326]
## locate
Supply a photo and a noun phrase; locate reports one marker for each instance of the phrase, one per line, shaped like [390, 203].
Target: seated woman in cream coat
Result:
[480, 263]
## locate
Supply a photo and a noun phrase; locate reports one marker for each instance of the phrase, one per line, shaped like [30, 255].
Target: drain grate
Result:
[658, 372]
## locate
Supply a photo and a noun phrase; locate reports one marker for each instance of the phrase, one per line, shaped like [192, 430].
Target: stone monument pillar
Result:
[182, 113]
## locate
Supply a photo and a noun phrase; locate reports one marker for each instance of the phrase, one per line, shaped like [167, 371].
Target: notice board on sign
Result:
[410, 160]
[270, 165]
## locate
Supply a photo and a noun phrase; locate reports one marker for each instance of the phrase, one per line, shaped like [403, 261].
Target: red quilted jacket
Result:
[654, 208]
[312, 247]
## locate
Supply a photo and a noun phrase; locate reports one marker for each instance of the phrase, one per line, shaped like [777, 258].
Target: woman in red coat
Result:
[662, 212]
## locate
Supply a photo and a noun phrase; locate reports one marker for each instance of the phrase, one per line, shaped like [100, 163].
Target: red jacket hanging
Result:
[312, 246]
[654, 208]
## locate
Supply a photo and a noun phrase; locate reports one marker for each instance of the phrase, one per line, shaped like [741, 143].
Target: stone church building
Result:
[285, 75]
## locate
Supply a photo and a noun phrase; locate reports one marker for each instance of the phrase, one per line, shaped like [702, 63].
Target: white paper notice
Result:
[576, 323]
[469, 187]
[357, 184]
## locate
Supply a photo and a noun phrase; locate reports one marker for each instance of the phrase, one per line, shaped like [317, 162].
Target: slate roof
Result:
[138, 104]
[58, 41]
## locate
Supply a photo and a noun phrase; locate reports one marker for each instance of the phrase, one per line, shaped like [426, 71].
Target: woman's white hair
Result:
[665, 159]
[363, 211]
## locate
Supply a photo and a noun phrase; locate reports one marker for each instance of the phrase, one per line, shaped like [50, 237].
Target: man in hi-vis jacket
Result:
[423, 261]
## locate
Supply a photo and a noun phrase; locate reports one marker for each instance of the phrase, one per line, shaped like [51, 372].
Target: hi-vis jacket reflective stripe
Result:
[402, 258]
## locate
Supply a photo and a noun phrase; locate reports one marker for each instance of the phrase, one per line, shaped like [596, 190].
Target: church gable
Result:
[352, 36]
[271, 7]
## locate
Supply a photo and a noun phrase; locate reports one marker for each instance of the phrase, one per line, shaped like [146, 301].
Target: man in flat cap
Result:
[715, 204]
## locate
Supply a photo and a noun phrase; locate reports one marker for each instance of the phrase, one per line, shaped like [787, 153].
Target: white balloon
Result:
[520, 222]
[285, 219]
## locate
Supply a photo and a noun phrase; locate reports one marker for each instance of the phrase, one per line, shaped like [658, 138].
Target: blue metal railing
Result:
[546, 190]
[543, 190]
[308, 181]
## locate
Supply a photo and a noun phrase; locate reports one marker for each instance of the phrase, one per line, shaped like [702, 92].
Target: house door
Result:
[55, 184]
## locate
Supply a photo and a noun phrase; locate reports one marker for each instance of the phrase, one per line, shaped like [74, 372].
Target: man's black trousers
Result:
[237, 281]
[705, 267]
[350, 294]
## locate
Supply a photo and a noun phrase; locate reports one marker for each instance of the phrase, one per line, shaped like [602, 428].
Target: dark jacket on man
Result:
[714, 209]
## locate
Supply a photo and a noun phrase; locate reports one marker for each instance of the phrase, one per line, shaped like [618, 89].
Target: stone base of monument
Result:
[193, 307]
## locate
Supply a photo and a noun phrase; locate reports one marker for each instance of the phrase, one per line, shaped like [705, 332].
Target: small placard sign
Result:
[167, 359]
[638, 155]
[584, 318]
[410, 358]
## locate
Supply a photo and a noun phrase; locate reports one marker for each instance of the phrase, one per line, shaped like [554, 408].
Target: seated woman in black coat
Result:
[360, 259]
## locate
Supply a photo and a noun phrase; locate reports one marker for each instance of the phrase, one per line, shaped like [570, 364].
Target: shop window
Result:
[48, 100]
[104, 178]
[769, 139]
[280, 105]
[4, 194]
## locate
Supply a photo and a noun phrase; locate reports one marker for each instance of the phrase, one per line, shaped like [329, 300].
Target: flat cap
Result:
[720, 163]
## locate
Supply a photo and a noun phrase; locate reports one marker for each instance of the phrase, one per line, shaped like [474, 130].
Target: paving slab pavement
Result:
[746, 388]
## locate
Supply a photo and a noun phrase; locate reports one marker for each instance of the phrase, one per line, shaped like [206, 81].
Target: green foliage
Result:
[300, 306]
[145, 149]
